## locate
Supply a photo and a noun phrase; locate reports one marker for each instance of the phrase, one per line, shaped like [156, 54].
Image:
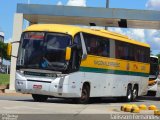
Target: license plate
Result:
[37, 86]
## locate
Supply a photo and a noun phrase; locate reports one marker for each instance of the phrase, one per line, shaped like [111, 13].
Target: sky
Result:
[152, 37]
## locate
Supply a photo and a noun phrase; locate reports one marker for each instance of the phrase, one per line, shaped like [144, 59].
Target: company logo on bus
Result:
[127, 67]
[136, 66]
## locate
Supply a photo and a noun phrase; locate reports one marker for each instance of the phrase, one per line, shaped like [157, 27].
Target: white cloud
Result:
[59, 3]
[152, 37]
[153, 4]
[8, 40]
[2, 33]
[137, 34]
[117, 30]
[77, 3]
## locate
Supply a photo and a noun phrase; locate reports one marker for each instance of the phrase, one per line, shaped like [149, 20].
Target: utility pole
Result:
[107, 6]
[107, 3]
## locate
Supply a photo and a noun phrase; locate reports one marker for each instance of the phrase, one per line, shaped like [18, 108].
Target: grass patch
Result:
[4, 79]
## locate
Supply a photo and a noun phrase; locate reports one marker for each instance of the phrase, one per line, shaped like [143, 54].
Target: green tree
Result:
[3, 51]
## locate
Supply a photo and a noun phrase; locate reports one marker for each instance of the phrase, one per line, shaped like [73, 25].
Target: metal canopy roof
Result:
[110, 17]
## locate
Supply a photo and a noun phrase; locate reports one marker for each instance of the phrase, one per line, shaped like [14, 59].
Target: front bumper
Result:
[56, 87]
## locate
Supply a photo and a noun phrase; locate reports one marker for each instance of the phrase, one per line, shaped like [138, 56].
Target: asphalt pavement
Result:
[25, 107]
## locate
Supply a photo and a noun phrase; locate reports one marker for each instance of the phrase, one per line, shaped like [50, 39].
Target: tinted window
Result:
[55, 40]
[142, 54]
[132, 52]
[122, 50]
[96, 45]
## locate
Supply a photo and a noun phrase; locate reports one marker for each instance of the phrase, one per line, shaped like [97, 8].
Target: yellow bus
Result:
[78, 63]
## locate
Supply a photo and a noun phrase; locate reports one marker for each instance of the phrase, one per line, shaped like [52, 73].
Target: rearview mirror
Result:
[9, 49]
[68, 53]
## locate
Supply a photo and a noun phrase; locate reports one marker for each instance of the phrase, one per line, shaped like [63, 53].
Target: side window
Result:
[103, 47]
[122, 50]
[131, 52]
[97, 45]
[141, 54]
[146, 55]
[91, 43]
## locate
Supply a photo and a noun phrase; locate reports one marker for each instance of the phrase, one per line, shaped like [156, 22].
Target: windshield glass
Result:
[39, 50]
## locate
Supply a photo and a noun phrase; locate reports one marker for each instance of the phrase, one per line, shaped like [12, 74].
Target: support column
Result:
[107, 6]
[17, 30]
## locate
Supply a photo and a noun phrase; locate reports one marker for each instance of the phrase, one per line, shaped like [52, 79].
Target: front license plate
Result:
[37, 86]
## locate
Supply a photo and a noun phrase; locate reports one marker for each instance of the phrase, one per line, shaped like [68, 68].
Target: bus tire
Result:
[135, 93]
[128, 97]
[84, 99]
[39, 98]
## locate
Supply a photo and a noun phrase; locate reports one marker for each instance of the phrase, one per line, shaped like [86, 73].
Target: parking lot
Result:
[24, 104]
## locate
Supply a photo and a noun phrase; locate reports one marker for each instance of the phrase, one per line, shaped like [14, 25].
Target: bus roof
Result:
[72, 30]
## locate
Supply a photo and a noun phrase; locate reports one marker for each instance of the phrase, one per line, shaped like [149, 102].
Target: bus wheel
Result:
[134, 93]
[128, 97]
[39, 98]
[84, 99]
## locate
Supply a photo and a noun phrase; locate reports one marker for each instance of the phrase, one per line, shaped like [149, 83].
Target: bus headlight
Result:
[20, 83]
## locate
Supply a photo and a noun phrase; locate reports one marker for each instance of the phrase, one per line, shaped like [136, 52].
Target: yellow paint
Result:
[152, 107]
[124, 106]
[135, 109]
[128, 109]
[110, 63]
[9, 49]
[115, 64]
[72, 30]
[142, 107]
[157, 112]
[68, 53]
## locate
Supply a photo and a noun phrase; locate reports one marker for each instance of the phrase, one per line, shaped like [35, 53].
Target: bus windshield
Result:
[39, 50]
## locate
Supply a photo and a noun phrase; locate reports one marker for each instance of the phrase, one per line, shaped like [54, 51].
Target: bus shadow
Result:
[94, 101]
[69, 101]
[151, 98]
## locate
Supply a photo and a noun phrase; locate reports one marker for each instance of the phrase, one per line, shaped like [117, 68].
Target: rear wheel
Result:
[39, 98]
[84, 99]
[128, 97]
[134, 93]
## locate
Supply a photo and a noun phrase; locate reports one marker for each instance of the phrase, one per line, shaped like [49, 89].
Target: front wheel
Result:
[84, 99]
[39, 98]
